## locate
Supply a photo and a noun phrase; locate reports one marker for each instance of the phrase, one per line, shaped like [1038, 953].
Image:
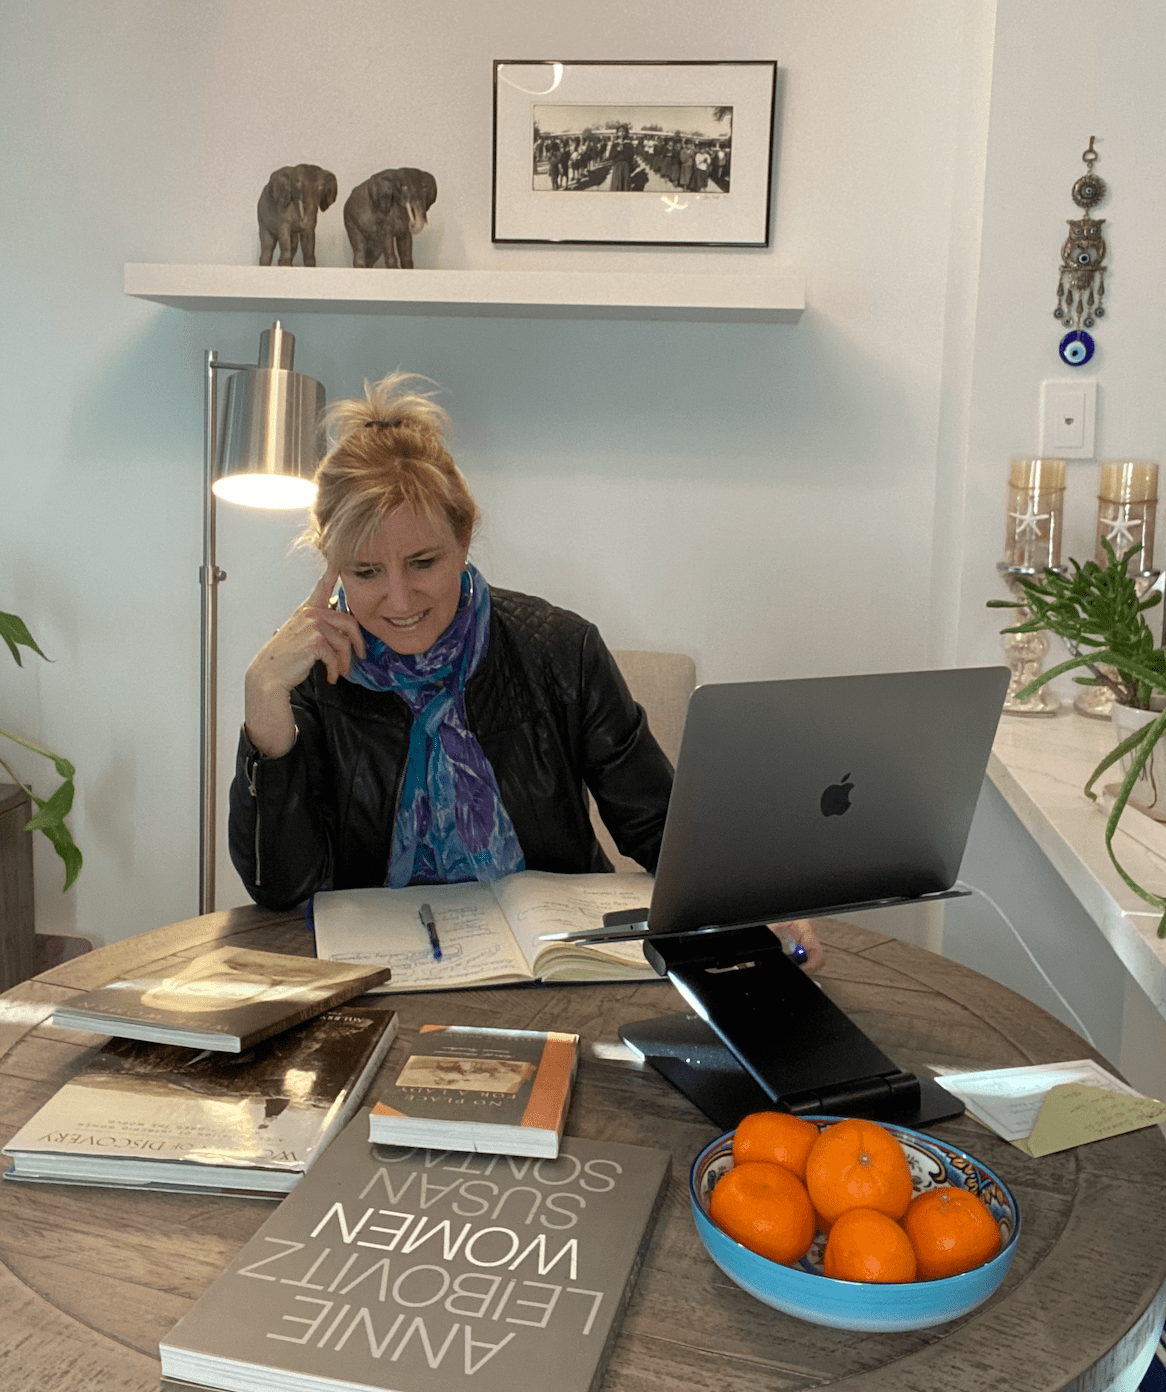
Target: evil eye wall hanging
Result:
[1081, 283]
[1076, 348]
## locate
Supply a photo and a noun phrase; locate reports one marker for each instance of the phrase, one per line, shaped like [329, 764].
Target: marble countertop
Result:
[1040, 766]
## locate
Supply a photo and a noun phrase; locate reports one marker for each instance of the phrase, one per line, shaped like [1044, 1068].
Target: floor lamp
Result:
[262, 454]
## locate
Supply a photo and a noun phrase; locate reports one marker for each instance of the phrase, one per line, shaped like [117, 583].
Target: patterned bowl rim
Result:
[725, 1140]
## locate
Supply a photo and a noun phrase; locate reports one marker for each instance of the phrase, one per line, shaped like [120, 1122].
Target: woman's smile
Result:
[409, 622]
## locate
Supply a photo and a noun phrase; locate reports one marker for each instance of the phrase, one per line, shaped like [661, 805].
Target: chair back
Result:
[662, 684]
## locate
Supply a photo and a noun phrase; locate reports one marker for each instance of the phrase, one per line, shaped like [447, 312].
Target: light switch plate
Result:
[1068, 419]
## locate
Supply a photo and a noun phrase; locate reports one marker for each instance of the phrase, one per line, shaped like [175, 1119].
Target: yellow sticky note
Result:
[1074, 1114]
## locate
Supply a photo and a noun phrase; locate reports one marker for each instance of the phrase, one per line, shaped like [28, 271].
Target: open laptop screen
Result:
[798, 797]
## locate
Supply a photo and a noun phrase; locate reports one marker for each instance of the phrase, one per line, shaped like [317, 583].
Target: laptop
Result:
[792, 799]
[799, 798]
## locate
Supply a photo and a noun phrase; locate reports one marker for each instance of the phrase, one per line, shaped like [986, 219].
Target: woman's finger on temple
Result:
[320, 596]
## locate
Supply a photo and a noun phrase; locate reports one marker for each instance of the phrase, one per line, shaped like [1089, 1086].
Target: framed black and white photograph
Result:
[646, 154]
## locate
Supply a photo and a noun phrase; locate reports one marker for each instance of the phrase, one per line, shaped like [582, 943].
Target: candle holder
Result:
[1025, 653]
[1127, 504]
[1032, 545]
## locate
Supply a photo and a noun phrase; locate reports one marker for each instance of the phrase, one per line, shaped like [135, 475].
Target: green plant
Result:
[51, 811]
[1097, 612]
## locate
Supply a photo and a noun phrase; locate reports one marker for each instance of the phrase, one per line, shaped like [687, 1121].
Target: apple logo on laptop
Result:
[836, 798]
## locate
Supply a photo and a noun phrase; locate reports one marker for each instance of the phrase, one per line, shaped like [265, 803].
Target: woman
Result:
[686, 165]
[621, 155]
[424, 728]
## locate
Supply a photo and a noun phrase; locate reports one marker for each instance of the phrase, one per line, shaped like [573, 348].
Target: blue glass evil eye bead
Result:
[1076, 348]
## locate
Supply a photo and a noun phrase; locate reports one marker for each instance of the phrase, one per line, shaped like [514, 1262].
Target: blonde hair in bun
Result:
[386, 450]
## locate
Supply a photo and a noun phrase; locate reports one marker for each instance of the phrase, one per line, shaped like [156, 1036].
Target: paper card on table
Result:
[1009, 1100]
[1075, 1114]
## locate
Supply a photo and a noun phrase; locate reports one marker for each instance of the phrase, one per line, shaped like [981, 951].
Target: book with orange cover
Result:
[496, 1091]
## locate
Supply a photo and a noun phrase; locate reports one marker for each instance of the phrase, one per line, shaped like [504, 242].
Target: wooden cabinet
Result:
[17, 941]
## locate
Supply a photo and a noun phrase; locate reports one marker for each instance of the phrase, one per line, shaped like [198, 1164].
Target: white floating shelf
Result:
[774, 299]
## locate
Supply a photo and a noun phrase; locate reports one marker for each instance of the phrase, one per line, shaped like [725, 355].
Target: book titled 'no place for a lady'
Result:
[500, 1091]
[422, 1271]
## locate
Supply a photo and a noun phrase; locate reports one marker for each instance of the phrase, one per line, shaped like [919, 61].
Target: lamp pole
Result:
[268, 440]
[209, 579]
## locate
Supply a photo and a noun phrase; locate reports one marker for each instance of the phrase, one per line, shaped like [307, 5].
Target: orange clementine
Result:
[776, 1136]
[764, 1207]
[951, 1230]
[866, 1245]
[858, 1164]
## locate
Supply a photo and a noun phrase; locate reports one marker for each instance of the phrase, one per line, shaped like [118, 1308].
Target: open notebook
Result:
[489, 934]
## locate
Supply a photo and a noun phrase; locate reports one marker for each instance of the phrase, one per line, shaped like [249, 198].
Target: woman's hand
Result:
[314, 633]
[800, 933]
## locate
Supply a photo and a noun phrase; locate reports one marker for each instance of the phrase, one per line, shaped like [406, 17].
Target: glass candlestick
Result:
[1127, 503]
[1032, 545]
[1036, 495]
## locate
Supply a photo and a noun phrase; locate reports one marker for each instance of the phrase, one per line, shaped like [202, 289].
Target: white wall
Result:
[762, 496]
[1061, 75]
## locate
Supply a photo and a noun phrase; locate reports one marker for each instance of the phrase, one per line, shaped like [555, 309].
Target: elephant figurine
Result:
[385, 213]
[287, 211]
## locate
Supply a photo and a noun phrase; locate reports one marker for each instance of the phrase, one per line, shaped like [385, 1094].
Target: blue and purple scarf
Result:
[451, 825]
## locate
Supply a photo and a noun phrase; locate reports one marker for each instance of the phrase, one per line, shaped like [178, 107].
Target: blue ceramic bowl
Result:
[804, 1291]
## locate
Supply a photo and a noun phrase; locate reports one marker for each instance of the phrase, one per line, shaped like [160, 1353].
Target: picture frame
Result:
[633, 153]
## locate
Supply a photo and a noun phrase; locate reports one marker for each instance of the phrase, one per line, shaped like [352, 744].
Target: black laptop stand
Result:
[766, 1037]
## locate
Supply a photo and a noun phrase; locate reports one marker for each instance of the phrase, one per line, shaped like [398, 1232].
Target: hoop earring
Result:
[467, 585]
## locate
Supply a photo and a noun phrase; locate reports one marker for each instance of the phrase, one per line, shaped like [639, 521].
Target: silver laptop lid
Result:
[794, 797]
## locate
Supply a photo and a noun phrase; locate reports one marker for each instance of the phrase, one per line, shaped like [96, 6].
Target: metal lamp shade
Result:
[268, 449]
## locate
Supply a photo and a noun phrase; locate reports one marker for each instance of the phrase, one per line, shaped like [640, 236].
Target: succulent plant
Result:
[1099, 615]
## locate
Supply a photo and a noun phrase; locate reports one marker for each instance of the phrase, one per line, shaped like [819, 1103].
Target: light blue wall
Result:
[761, 496]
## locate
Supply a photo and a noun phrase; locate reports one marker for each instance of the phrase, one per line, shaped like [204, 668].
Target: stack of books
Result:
[229, 1072]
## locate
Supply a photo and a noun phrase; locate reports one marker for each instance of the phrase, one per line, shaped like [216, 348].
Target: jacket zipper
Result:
[252, 773]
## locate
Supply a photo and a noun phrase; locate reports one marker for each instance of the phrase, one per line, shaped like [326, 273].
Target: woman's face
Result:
[404, 585]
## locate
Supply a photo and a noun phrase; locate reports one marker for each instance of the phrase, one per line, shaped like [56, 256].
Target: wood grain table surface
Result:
[91, 1279]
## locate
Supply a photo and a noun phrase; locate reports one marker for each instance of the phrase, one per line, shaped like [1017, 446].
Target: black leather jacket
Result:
[552, 714]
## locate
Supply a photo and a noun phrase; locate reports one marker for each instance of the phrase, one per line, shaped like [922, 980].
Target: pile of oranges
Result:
[851, 1181]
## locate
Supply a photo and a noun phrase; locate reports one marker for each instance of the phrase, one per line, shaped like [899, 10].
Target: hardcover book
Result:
[418, 1271]
[229, 998]
[498, 1091]
[155, 1116]
[489, 933]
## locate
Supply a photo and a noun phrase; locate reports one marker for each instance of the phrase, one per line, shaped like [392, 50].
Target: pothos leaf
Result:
[15, 633]
[51, 811]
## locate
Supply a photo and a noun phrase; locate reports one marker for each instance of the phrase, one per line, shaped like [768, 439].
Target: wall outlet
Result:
[1068, 419]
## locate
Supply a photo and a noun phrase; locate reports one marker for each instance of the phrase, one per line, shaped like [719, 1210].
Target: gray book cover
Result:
[421, 1271]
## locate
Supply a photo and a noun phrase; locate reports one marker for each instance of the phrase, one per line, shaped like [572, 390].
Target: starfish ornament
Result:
[1028, 522]
[1121, 532]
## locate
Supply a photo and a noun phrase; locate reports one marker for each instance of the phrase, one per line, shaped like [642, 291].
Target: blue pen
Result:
[426, 915]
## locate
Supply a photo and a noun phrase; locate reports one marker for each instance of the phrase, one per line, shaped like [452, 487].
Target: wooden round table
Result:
[91, 1279]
